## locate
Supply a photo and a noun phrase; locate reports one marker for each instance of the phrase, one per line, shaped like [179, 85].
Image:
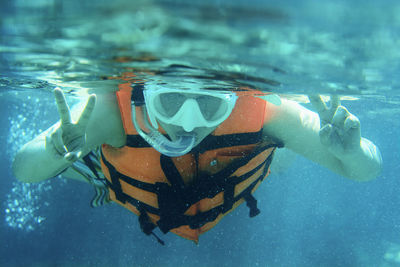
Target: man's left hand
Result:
[339, 129]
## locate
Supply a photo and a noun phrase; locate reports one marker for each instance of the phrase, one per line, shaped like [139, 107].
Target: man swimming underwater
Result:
[182, 159]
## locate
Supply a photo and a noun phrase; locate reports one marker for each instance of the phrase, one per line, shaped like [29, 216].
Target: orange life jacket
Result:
[224, 170]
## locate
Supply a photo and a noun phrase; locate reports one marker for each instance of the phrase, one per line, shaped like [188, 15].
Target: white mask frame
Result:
[188, 108]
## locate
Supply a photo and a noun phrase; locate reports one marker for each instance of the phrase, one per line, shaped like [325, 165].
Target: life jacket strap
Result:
[137, 96]
[251, 202]
[211, 142]
[147, 226]
[136, 141]
[115, 183]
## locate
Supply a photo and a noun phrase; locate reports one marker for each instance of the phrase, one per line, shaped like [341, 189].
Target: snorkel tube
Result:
[159, 142]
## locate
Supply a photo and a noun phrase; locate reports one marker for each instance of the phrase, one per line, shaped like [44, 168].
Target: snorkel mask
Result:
[188, 109]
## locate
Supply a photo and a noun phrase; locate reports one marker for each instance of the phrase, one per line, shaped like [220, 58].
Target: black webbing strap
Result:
[136, 183]
[171, 199]
[172, 174]
[115, 185]
[115, 175]
[137, 96]
[136, 141]
[229, 196]
[204, 217]
[135, 202]
[147, 226]
[212, 142]
[251, 203]
[236, 164]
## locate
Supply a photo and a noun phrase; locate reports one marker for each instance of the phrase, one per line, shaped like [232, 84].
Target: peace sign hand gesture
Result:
[69, 138]
[339, 129]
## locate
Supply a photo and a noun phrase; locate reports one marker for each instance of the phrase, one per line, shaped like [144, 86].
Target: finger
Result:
[325, 135]
[317, 102]
[87, 111]
[62, 106]
[75, 143]
[58, 143]
[351, 123]
[335, 102]
[340, 116]
[352, 127]
[72, 156]
[325, 114]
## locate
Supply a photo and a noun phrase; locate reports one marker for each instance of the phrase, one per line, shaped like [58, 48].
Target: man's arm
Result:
[330, 137]
[75, 135]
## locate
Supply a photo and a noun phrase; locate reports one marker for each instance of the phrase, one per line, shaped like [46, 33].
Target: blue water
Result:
[309, 216]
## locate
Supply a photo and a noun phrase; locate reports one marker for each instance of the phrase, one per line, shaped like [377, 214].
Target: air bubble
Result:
[40, 219]
[24, 201]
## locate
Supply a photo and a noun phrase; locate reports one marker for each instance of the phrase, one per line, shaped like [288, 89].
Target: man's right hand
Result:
[69, 138]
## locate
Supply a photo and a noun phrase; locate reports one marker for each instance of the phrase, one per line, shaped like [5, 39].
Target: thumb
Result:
[324, 135]
[352, 128]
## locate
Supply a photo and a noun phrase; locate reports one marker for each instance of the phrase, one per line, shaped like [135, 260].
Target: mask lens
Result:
[209, 106]
[168, 104]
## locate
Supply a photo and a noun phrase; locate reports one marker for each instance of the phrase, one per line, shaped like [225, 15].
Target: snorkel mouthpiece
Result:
[177, 148]
[159, 142]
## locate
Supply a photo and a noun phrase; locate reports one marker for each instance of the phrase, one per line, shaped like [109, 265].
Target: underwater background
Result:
[309, 215]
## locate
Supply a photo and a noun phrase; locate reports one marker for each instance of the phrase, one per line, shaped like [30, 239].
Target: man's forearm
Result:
[36, 161]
